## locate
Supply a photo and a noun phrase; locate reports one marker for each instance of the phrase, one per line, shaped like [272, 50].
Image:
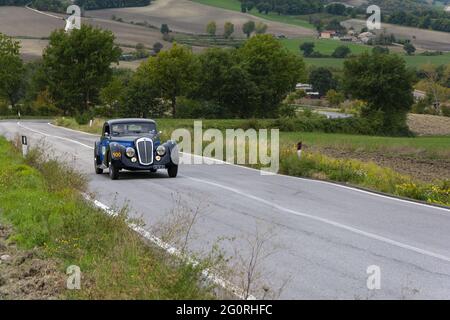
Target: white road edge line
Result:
[53, 136]
[158, 242]
[327, 221]
[225, 284]
[296, 178]
[305, 215]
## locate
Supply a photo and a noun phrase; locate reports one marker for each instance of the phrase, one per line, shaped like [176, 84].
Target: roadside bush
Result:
[83, 118]
[66, 122]
[287, 111]
[445, 111]
[420, 106]
[194, 109]
[364, 174]
[439, 194]
[4, 110]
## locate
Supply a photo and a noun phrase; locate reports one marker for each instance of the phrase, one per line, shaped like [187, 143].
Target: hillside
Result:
[426, 39]
[191, 17]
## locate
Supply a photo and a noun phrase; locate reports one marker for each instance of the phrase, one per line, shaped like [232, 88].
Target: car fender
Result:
[172, 148]
[116, 151]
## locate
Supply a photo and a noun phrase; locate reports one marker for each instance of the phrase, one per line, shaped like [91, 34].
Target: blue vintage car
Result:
[133, 144]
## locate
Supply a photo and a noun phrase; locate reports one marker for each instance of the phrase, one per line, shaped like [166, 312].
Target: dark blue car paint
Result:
[112, 144]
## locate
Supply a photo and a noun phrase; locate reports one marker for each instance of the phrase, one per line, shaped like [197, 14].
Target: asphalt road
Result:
[324, 236]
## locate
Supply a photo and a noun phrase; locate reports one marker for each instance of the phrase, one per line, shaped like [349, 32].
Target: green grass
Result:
[411, 61]
[235, 5]
[327, 46]
[430, 147]
[364, 174]
[41, 200]
[324, 46]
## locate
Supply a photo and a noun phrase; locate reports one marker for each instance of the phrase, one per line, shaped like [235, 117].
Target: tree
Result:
[335, 98]
[165, 29]
[211, 28]
[11, 70]
[380, 50]
[243, 7]
[142, 96]
[157, 47]
[77, 65]
[307, 48]
[336, 9]
[112, 95]
[385, 84]
[228, 29]
[341, 52]
[248, 28]
[274, 70]
[335, 24]
[432, 76]
[409, 48]
[249, 5]
[322, 80]
[260, 28]
[223, 81]
[174, 72]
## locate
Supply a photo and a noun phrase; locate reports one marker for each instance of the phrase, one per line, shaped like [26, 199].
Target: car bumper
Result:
[125, 163]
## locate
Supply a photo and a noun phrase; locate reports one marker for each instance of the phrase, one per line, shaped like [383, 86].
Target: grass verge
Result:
[364, 174]
[40, 198]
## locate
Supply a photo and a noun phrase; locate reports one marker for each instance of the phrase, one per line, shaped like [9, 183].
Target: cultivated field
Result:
[191, 17]
[235, 5]
[33, 28]
[426, 39]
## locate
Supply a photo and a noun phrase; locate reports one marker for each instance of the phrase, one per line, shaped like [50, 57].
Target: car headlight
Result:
[130, 152]
[161, 150]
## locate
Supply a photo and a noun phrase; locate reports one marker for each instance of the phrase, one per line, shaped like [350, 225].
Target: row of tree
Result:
[251, 81]
[288, 7]
[61, 5]
[75, 74]
[247, 28]
[75, 77]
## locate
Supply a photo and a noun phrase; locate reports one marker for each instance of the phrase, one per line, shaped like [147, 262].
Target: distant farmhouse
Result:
[328, 34]
[365, 37]
[308, 89]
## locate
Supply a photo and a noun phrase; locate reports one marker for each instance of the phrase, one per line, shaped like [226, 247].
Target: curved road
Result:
[324, 236]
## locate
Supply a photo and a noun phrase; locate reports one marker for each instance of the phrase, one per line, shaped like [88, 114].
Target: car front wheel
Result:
[172, 171]
[97, 169]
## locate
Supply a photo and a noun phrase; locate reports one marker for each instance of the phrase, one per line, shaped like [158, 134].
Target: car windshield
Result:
[124, 129]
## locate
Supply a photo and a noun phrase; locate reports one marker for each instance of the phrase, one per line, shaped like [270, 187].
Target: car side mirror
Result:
[106, 135]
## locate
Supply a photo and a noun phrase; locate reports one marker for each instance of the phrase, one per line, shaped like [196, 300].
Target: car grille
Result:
[144, 148]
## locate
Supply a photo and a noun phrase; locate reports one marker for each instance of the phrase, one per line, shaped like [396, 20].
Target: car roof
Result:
[128, 120]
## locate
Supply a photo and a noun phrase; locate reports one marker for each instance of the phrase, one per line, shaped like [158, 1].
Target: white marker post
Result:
[24, 146]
